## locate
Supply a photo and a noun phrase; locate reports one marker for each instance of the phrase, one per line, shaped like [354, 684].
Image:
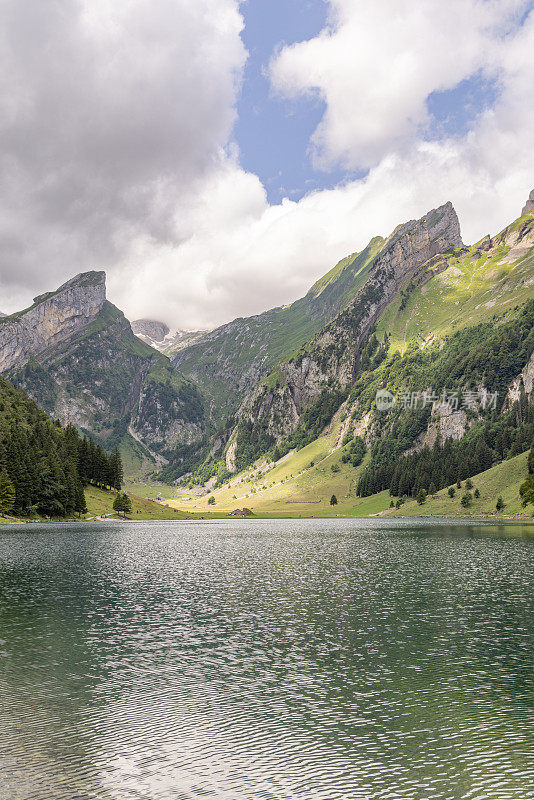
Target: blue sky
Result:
[273, 134]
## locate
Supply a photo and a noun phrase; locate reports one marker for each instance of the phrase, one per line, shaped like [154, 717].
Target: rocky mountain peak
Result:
[159, 336]
[529, 205]
[53, 317]
[150, 329]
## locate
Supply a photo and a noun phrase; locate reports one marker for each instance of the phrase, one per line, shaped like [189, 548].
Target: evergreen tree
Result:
[118, 504]
[116, 470]
[466, 499]
[477, 493]
[421, 497]
[451, 491]
[126, 504]
[432, 489]
[7, 493]
[122, 504]
[499, 504]
[333, 500]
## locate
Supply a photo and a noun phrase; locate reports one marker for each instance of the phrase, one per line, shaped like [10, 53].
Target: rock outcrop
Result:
[150, 329]
[529, 205]
[329, 362]
[53, 318]
[76, 355]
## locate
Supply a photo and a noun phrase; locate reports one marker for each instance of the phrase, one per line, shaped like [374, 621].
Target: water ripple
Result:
[266, 660]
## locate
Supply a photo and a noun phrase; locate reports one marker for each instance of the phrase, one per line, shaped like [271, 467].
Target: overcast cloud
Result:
[116, 144]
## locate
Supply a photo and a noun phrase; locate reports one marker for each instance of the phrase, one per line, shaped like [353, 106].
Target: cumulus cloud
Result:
[377, 63]
[110, 114]
[257, 256]
[116, 151]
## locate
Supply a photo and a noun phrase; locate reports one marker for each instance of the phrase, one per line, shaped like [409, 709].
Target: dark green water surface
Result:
[267, 660]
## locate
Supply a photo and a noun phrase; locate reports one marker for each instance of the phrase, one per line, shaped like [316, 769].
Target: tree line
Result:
[44, 467]
[488, 442]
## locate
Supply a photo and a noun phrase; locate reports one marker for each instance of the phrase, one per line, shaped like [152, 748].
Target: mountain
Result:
[159, 336]
[326, 367]
[292, 391]
[227, 363]
[529, 205]
[430, 315]
[76, 354]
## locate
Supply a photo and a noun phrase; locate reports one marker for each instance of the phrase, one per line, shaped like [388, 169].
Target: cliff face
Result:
[329, 362]
[76, 355]
[53, 318]
[228, 362]
[529, 205]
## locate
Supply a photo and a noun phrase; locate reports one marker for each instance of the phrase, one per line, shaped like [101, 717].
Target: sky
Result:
[217, 157]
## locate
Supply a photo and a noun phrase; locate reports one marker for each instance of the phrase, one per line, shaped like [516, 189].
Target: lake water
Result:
[266, 660]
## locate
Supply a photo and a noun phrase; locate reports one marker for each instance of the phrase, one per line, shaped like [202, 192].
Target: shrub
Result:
[467, 499]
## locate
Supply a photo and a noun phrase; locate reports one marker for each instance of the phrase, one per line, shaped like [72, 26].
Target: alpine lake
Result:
[267, 660]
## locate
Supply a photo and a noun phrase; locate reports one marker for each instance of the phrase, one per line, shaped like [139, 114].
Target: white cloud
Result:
[256, 256]
[377, 63]
[123, 163]
[110, 115]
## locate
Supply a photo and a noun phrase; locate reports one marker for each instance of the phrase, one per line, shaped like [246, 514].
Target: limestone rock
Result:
[330, 361]
[53, 318]
[529, 205]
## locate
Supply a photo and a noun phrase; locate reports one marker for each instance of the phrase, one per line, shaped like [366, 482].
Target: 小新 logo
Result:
[384, 400]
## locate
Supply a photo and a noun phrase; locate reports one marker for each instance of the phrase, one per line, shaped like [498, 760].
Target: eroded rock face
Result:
[150, 329]
[331, 358]
[53, 318]
[529, 205]
[523, 382]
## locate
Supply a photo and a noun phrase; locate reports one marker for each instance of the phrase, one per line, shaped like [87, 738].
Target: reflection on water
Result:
[268, 659]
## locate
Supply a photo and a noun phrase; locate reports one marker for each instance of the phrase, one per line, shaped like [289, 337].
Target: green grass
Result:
[101, 502]
[292, 487]
[475, 286]
[502, 480]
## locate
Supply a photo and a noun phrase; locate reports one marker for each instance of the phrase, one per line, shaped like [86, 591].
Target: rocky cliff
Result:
[328, 363]
[53, 318]
[162, 338]
[529, 205]
[77, 356]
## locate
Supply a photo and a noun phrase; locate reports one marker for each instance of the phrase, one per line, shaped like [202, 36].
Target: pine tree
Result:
[466, 499]
[116, 470]
[451, 491]
[421, 497]
[499, 504]
[118, 504]
[333, 500]
[7, 493]
[126, 504]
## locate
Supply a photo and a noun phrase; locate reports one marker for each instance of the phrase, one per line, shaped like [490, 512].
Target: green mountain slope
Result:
[461, 321]
[229, 361]
[76, 355]
[491, 277]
